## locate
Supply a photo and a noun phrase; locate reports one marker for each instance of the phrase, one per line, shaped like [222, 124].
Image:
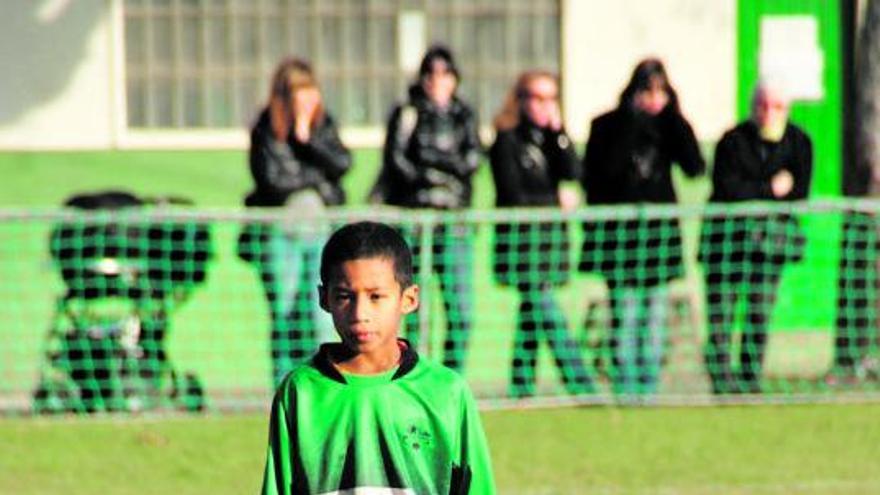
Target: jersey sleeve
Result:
[474, 475]
[279, 475]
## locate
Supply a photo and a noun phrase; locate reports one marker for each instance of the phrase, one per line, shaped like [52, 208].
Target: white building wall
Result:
[603, 41]
[57, 86]
[60, 88]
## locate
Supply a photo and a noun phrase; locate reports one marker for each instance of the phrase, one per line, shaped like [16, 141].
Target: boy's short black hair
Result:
[367, 240]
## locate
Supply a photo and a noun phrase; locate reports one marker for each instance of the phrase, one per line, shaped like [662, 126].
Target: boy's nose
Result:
[360, 308]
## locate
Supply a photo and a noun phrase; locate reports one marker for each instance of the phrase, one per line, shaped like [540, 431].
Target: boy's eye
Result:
[376, 297]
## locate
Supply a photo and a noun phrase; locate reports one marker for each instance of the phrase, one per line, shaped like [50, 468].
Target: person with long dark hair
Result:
[531, 155]
[431, 153]
[629, 159]
[297, 161]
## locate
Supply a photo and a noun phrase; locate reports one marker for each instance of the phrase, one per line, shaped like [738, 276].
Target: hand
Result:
[782, 183]
[569, 199]
[305, 105]
[302, 132]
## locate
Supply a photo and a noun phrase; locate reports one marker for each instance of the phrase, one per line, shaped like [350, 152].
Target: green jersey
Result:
[412, 430]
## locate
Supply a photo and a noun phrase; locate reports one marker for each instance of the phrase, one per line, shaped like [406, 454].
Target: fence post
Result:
[426, 239]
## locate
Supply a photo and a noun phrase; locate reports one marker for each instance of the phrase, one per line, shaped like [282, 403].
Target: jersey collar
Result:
[323, 363]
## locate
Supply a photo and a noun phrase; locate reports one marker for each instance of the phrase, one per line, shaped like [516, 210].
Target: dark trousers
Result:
[638, 338]
[452, 261]
[289, 272]
[539, 315]
[758, 281]
[856, 322]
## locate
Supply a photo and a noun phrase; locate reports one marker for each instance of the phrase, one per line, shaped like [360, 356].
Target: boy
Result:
[367, 416]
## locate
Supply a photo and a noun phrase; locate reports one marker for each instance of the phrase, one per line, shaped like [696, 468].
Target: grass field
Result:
[808, 450]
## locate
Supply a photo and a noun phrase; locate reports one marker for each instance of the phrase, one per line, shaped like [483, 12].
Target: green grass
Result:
[209, 178]
[817, 449]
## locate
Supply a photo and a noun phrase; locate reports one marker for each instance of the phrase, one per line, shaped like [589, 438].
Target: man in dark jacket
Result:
[432, 150]
[766, 158]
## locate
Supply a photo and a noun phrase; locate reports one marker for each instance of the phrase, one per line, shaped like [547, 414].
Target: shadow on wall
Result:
[41, 45]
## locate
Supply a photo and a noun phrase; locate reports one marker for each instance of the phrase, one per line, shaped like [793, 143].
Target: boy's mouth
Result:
[362, 335]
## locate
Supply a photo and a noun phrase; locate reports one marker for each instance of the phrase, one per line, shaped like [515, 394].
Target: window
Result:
[206, 63]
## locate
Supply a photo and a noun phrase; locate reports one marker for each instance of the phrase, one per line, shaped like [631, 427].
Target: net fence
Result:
[163, 308]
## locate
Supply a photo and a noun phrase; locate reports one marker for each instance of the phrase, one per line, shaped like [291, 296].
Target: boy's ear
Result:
[322, 298]
[410, 299]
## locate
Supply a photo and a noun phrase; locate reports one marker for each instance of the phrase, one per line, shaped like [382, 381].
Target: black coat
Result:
[527, 164]
[280, 169]
[629, 160]
[743, 169]
[429, 156]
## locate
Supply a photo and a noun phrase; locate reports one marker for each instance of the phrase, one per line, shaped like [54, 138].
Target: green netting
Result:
[162, 309]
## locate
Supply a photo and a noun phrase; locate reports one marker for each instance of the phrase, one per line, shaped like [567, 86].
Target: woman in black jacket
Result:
[432, 151]
[531, 155]
[297, 161]
[629, 160]
[765, 158]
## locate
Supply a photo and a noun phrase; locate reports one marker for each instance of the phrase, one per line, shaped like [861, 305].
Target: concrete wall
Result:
[60, 87]
[603, 41]
[57, 87]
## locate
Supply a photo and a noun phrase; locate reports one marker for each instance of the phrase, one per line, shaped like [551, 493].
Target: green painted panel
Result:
[815, 278]
[821, 118]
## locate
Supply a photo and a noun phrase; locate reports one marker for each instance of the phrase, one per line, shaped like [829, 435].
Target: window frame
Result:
[355, 136]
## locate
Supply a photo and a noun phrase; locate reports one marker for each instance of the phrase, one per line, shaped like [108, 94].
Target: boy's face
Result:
[367, 304]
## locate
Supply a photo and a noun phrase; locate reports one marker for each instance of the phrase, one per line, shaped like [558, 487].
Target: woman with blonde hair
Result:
[296, 161]
[531, 155]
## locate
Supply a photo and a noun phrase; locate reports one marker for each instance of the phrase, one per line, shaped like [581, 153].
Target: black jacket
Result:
[628, 160]
[430, 155]
[281, 169]
[527, 164]
[744, 167]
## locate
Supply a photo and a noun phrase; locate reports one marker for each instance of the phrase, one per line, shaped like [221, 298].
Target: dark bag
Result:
[387, 183]
[779, 238]
[531, 254]
[250, 242]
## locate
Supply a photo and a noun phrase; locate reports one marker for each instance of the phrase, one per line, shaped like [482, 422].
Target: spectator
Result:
[531, 155]
[855, 335]
[296, 160]
[855, 325]
[629, 159]
[431, 152]
[764, 158]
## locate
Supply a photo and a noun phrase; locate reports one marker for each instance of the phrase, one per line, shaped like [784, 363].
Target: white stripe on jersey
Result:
[373, 490]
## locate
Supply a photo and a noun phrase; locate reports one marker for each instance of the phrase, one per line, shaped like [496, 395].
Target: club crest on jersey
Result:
[417, 437]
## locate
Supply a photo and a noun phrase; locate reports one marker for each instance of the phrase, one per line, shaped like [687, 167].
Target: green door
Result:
[819, 116]
[802, 39]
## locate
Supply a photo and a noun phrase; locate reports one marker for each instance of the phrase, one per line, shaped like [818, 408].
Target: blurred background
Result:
[157, 98]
